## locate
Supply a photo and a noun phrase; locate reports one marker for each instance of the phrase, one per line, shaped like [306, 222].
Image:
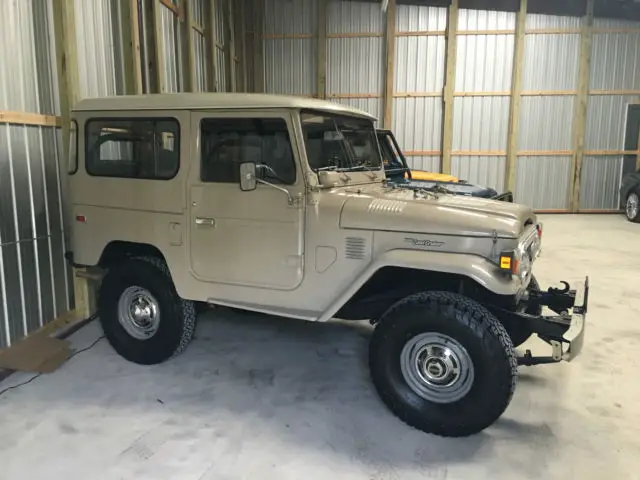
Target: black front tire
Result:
[177, 317]
[632, 214]
[482, 338]
[518, 332]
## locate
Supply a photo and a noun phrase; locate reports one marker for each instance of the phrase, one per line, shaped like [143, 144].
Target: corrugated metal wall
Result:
[100, 67]
[35, 283]
[482, 96]
[418, 82]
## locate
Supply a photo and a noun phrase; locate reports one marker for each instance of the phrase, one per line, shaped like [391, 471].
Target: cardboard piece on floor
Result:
[35, 354]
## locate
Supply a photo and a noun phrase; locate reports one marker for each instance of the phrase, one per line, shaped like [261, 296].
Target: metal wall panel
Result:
[599, 182]
[355, 65]
[34, 278]
[290, 63]
[546, 123]
[426, 163]
[480, 123]
[170, 50]
[488, 171]
[543, 182]
[615, 62]
[417, 123]
[285, 17]
[200, 61]
[419, 64]
[369, 105]
[355, 17]
[484, 63]
[485, 20]
[99, 53]
[551, 62]
[606, 117]
[419, 18]
[540, 21]
[290, 66]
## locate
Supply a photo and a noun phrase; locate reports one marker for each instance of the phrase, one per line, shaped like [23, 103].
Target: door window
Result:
[228, 142]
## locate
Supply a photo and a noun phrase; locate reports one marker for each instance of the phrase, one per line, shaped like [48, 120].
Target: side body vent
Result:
[355, 248]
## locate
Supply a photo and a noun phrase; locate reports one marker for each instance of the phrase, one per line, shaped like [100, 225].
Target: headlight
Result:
[516, 262]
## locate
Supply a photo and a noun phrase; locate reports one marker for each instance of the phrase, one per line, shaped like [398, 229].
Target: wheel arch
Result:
[411, 271]
[119, 250]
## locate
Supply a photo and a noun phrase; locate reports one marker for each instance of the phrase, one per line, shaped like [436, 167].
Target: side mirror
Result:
[248, 180]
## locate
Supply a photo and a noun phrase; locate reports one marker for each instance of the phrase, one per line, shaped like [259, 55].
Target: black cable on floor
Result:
[2, 392]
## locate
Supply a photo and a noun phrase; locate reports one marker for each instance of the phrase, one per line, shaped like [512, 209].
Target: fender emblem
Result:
[424, 243]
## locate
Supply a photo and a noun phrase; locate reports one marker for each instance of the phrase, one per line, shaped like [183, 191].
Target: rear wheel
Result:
[443, 364]
[632, 207]
[142, 315]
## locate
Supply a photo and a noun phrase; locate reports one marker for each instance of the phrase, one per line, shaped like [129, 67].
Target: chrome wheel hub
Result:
[139, 313]
[633, 203]
[436, 367]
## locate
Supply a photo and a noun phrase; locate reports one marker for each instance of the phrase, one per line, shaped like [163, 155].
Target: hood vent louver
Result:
[355, 248]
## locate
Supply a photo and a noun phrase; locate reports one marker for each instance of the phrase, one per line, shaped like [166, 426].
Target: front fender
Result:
[478, 269]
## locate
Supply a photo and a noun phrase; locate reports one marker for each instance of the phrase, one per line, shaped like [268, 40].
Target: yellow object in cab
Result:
[432, 176]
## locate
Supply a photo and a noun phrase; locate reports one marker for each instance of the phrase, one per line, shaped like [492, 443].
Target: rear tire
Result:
[518, 332]
[632, 206]
[443, 364]
[142, 315]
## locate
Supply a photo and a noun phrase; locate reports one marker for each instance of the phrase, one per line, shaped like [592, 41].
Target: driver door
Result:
[250, 238]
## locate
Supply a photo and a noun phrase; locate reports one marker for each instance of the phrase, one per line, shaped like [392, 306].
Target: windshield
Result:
[340, 143]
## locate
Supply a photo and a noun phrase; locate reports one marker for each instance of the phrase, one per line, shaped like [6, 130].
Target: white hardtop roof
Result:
[212, 101]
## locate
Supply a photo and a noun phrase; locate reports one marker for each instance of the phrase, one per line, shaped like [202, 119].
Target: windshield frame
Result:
[346, 146]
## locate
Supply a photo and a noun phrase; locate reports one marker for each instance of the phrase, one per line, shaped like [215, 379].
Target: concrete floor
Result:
[255, 397]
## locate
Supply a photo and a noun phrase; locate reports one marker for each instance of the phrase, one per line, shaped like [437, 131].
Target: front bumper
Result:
[564, 331]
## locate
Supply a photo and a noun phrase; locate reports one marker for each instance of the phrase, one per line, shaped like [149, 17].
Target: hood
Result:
[402, 210]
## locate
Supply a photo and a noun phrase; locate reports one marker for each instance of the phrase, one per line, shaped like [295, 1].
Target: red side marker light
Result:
[81, 218]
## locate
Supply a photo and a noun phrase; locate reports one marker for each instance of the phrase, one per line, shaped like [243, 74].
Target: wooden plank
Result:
[353, 95]
[449, 85]
[148, 46]
[390, 54]
[131, 47]
[482, 94]
[358, 34]
[421, 33]
[422, 153]
[479, 153]
[514, 105]
[188, 50]
[26, 118]
[485, 32]
[547, 93]
[321, 81]
[171, 6]
[158, 42]
[614, 92]
[544, 153]
[282, 36]
[210, 36]
[241, 43]
[580, 115]
[417, 94]
[552, 31]
[198, 28]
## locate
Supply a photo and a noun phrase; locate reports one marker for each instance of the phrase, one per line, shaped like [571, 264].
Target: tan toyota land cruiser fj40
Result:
[280, 205]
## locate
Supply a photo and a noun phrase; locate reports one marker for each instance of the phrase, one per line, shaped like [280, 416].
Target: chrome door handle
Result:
[205, 222]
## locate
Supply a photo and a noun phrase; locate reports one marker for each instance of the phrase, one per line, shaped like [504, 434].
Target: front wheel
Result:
[443, 364]
[632, 207]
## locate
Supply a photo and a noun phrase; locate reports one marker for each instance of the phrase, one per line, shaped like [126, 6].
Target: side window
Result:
[228, 142]
[133, 148]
